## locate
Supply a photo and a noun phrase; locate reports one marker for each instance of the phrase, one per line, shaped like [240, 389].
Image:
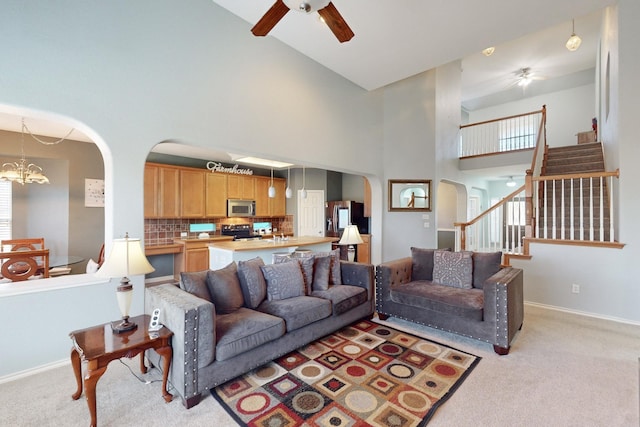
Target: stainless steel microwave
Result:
[241, 208]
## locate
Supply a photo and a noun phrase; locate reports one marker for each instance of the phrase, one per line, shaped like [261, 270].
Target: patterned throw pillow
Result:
[453, 269]
[252, 283]
[224, 287]
[306, 264]
[284, 280]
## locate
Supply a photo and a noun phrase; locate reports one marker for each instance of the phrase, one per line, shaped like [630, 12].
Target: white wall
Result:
[568, 112]
[409, 153]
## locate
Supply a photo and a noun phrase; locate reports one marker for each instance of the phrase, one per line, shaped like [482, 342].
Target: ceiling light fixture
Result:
[21, 171]
[489, 51]
[272, 189]
[263, 162]
[525, 77]
[511, 182]
[288, 192]
[574, 41]
[306, 6]
[303, 192]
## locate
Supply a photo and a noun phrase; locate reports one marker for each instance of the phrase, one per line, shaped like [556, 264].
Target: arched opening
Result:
[68, 212]
[451, 208]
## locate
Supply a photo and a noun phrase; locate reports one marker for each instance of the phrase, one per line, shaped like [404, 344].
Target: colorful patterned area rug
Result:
[365, 374]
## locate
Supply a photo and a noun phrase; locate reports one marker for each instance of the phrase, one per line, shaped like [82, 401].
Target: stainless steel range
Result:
[239, 231]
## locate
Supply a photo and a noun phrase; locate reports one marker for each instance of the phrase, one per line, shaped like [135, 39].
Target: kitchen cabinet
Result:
[266, 206]
[278, 205]
[363, 251]
[161, 191]
[367, 198]
[192, 193]
[216, 195]
[241, 187]
[194, 255]
[151, 174]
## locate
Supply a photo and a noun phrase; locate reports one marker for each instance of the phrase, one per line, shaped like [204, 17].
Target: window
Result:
[5, 210]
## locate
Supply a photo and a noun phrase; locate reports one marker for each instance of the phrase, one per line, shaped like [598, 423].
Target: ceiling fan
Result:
[525, 76]
[325, 9]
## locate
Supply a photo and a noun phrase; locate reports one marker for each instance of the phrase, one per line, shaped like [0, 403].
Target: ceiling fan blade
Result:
[336, 23]
[270, 19]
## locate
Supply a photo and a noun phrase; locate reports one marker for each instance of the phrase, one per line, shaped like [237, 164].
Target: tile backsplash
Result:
[165, 231]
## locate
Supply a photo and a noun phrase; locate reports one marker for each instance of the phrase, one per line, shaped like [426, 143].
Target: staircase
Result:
[572, 205]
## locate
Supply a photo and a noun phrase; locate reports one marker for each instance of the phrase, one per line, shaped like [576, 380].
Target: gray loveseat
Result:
[222, 331]
[467, 293]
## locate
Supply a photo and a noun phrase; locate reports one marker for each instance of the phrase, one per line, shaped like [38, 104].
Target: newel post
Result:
[528, 203]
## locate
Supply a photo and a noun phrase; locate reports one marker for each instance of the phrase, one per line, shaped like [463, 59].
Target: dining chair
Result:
[24, 264]
[30, 244]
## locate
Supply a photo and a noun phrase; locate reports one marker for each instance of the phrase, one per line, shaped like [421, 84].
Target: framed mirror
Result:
[409, 195]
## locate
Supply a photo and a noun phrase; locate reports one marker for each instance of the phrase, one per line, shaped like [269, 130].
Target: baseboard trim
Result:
[33, 371]
[583, 313]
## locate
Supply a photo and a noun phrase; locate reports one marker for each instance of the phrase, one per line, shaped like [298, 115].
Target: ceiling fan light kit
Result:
[325, 9]
[574, 41]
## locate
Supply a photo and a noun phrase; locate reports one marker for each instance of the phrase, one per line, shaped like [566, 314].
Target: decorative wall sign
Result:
[94, 193]
[237, 170]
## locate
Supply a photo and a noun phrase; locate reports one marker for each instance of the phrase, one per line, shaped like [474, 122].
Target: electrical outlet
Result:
[575, 288]
[426, 225]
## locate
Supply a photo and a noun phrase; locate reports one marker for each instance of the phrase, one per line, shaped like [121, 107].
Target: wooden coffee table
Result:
[99, 345]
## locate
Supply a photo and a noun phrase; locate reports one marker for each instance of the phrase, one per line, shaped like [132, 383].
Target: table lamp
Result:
[126, 258]
[351, 236]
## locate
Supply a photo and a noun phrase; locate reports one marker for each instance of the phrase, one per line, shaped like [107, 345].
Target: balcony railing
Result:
[511, 133]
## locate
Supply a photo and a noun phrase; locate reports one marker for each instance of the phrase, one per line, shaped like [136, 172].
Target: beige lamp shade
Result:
[126, 259]
[350, 236]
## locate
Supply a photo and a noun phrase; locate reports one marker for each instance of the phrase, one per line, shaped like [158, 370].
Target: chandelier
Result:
[22, 172]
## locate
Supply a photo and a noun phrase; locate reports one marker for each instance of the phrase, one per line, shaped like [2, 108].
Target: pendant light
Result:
[574, 41]
[20, 171]
[288, 192]
[272, 189]
[303, 192]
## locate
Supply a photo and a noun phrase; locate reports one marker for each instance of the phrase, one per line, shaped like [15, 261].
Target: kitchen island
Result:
[223, 253]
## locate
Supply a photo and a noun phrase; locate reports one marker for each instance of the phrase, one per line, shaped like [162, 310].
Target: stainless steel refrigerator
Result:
[339, 214]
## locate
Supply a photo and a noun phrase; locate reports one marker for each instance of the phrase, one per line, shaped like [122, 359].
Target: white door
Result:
[311, 213]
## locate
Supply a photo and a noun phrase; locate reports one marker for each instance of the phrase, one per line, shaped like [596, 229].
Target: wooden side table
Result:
[99, 345]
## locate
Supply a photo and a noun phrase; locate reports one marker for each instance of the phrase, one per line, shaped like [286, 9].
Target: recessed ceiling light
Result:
[489, 51]
[263, 162]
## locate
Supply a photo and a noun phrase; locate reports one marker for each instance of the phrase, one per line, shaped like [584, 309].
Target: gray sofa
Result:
[480, 299]
[219, 335]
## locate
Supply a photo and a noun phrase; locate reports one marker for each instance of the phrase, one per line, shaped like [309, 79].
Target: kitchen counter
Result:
[223, 253]
[162, 249]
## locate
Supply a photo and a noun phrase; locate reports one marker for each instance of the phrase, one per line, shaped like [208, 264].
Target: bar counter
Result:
[223, 253]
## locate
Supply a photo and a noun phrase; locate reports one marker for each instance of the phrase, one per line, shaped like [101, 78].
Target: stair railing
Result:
[502, 227]
[577, 207]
